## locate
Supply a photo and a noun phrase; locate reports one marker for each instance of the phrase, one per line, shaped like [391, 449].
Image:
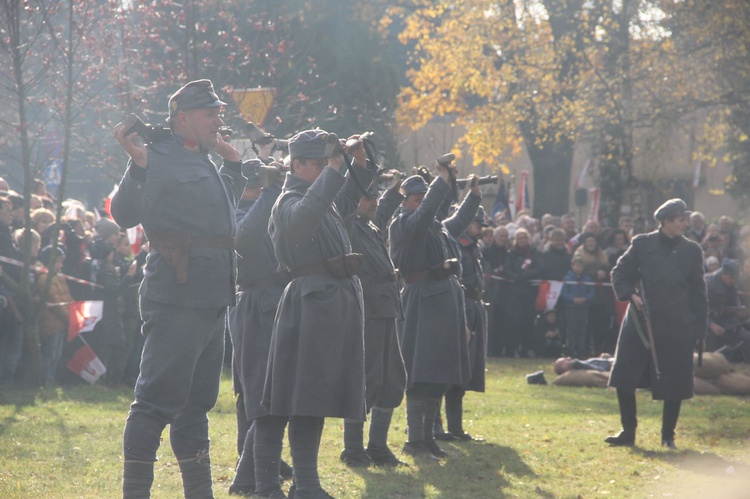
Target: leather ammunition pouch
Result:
[339, 266]
[174, 248]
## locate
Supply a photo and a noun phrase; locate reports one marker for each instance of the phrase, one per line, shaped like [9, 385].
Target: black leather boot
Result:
[624, 438]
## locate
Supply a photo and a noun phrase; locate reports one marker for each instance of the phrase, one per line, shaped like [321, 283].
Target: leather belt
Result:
[440, 271]
[339, 266]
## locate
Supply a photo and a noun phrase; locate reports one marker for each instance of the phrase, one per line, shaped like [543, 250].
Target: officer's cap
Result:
[195, 95]
[671, 209]
[481, 218]
[413, 185]
[731, 267]
[310, 144]
[250, 171]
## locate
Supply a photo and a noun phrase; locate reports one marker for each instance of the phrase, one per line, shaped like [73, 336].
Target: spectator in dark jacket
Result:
[555, 258]
[524, 263]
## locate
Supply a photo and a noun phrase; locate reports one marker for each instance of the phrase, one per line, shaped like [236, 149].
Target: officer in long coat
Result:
[434, 335]
[472, 280]
[669, 267]
[385, 375]
[316, 359]
[186, 207]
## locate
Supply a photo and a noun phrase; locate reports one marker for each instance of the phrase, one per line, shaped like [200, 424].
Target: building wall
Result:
[662, 163]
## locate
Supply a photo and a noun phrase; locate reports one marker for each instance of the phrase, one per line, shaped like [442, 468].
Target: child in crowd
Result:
[549, 334]
[576, 299]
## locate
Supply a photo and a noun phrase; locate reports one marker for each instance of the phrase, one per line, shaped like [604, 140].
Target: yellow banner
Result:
[254, 103]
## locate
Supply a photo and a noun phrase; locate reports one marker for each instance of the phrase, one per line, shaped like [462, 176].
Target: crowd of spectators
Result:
[93, 260]
[517, 255]
[520, 253]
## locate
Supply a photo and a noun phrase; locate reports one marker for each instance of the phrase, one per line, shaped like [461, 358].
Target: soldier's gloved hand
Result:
[395, 181]
[336, 161]
[474, 183]
[265, 150]
[446, 171]
[356, 148]
[226, 150]
[132, 144]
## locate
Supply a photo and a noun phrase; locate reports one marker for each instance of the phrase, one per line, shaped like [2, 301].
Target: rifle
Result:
[649, 330]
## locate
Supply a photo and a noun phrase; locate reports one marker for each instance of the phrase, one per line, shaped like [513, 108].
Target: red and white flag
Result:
[108, 202]
[86, 364]
[594, 204]
[83, 316]
[548, 294]
[135, 236]
[523, 202]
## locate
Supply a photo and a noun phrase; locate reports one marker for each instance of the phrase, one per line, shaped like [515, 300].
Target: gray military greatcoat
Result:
[261, 287]
[673, 278]
[316, 358]
[433, 339]
[385, 375]
[472, 279]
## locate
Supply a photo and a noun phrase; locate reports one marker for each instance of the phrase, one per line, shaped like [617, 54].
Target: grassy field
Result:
[541, 441]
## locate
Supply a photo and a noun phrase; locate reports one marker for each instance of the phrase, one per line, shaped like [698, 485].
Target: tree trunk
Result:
[552, 166]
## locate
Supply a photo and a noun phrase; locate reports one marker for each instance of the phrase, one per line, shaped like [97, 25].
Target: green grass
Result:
[541, 441]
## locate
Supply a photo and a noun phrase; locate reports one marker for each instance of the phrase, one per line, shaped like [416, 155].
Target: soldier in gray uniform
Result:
[249, 196]
[261, 286]
[670, 267]
[385, 375]
[434, 339]
[472, 280]
[186, 207]
[316, 358]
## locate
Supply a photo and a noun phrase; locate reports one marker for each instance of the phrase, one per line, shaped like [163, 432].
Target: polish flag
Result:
[108, 202]
[522, 201]
[594, 204]
[83, 316]
[135, 236]
[548, 294]
[86, 364]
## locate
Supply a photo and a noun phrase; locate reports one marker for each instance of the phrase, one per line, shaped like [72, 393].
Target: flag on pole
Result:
[108, 201]
[697, 174]
[86, 364]
[501, 201]
[582, 176]
[135, 236]
[522, 201]
[594, 204]
[83, 316]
